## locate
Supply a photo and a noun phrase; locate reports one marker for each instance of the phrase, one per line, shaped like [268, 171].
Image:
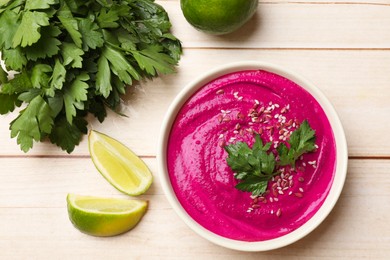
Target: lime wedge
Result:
[104, 216]
[119, 165]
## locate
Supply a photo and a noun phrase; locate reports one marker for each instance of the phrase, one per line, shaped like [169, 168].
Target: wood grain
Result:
[34, 217]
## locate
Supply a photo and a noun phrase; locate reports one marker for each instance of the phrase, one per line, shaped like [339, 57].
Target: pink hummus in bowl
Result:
[233, 104]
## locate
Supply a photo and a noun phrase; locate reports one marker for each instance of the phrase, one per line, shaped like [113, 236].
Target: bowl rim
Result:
[340, 170]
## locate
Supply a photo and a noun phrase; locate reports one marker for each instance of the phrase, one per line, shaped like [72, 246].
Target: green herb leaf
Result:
[255, 167]
[46, 46]
[8, 103]
[28, 30]
[301, 141]
[75, 95]
[33, 123]
[72, 55]
[254, 184]
[39, 4]
[92, 37]
[14, 59]
[72, 28]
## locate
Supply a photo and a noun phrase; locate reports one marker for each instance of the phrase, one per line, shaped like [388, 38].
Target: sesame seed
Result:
[301, 179]
[221, 136]
[240, 98]
[298, 194]
[276, 199]
[281, 192]
[257, 102]
[279, 212]
[235, 94]
[277, 105]
[232, 139]
[290, 193]
[220, 91]
[271, 199]
[272, 211]
[300, 189]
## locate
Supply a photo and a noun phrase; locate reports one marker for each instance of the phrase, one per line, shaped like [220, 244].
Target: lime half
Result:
[119, 165]
[104, 216]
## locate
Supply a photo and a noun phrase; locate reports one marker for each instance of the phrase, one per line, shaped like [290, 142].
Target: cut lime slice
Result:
[119, 165]
[104, 216]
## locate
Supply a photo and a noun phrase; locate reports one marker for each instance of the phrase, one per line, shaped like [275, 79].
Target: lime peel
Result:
[99, 216]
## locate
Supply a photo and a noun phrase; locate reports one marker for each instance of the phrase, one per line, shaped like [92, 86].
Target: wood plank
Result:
[296, 25]
[356, 82]
[38, 227]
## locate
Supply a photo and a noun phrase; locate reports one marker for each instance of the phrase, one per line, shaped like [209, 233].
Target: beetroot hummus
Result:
[234, 108]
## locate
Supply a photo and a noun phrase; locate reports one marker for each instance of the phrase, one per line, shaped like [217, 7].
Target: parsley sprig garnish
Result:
[75, 58]
[255, 166]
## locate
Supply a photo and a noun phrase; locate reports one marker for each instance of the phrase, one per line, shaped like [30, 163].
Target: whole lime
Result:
[218, 16]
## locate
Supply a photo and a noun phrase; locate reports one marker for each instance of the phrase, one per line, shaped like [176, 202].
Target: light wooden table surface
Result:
[342, 46]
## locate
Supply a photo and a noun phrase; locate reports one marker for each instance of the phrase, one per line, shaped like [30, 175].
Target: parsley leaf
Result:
[14, 58]
[8, 103]
[92, 37]
[301, 141]
[28, 30]
[75, 95]
[38, 4]
[255, 167]
[46, 46]
[33, 123]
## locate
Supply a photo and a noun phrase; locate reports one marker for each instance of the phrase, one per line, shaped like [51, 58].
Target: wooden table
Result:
[342, 46]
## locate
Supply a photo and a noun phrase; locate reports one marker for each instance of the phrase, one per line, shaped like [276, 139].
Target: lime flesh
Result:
[104, 216]
[122, 168]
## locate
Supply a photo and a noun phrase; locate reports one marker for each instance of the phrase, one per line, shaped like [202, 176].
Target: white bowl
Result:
[339, 175]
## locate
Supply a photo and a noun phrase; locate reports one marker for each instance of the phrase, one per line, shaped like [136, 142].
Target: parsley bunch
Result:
[255, 167]
[75, 57]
